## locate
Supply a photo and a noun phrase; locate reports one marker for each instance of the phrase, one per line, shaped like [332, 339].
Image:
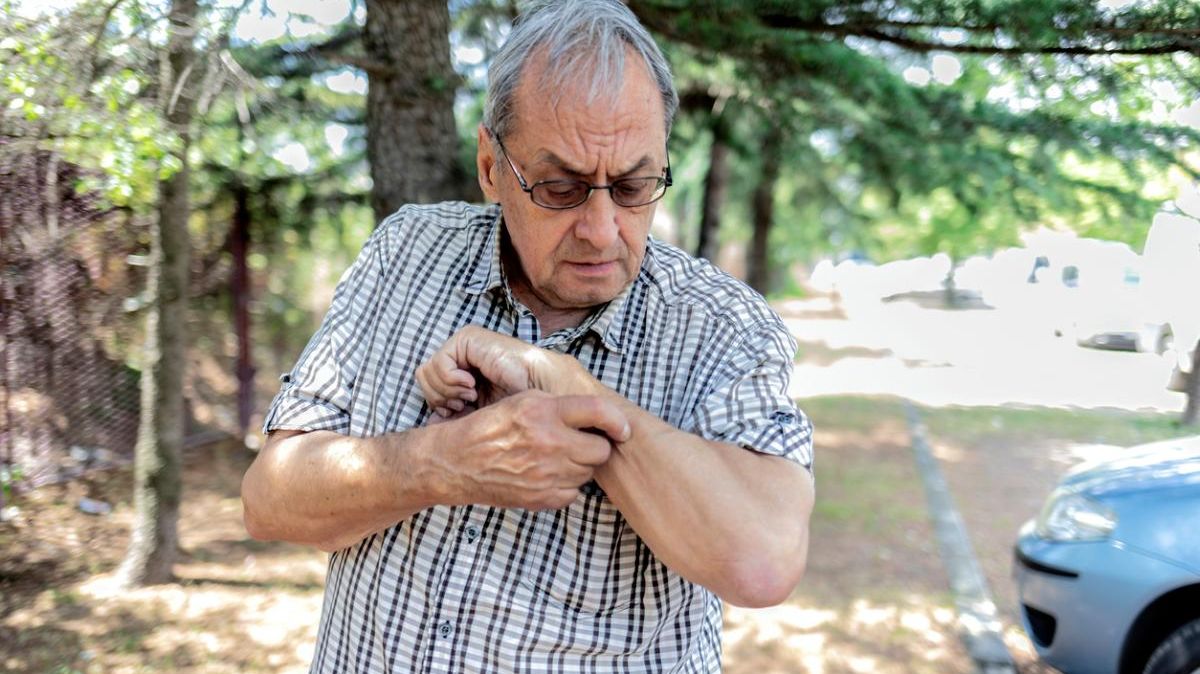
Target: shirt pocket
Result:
[585, 558]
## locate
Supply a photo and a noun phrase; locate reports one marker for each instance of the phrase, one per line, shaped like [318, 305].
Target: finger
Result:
[582, 412]
[592, 449]
[570, 475]
[450, 372]
[499, 358]
[562, 498]
[438, 391]
[432, 395]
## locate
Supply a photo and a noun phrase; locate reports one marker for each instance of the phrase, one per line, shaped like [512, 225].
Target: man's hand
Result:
[477, 367]
[530, 450]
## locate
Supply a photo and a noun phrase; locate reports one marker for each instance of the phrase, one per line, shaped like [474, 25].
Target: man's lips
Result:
[593, 268]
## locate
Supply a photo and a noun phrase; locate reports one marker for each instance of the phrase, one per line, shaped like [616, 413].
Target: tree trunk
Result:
[950, 285]
[412, 143]
[1191, 411]
[239, 243]
[758, 258]
[157, 480]
[715, 185]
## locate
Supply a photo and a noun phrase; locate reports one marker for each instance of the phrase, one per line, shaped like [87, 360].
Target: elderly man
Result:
[534, 438]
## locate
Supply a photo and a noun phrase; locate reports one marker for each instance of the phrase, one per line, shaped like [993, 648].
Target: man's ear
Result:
[486, 166]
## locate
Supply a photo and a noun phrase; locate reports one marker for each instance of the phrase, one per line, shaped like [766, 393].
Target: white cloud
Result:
[347, 82]
[327, 12]
[294, 156]
[255, 27]
[335, 135]
[916, 75]
[946, 68]
[468, 55]
[1189, 116]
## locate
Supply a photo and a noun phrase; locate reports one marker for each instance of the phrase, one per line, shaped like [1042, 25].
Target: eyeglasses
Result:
[560, 195]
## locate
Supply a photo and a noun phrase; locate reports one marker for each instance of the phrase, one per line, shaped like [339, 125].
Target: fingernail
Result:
[626, 433]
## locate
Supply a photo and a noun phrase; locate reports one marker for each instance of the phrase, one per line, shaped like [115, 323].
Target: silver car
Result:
[1109, 572]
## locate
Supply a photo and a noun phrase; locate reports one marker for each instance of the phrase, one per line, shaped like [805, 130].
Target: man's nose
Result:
[598, 222]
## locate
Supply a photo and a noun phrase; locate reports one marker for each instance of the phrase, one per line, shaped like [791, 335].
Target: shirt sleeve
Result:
[316, 394]
[749, 404]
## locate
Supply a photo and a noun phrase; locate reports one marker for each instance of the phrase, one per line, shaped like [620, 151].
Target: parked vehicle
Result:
[1108, 573]
[1083, 288]
[1116, 312]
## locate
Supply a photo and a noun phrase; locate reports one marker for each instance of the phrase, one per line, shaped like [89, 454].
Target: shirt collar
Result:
[486, 272]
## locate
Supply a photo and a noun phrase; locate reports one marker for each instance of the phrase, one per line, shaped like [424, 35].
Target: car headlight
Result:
[1071, 516]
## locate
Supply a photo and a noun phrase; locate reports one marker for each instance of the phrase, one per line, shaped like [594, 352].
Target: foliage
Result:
[910, 127]
[1055, 130]
[81, 84]
[10, 476]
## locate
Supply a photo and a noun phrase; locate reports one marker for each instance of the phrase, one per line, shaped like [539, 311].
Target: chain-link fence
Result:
[68, 398]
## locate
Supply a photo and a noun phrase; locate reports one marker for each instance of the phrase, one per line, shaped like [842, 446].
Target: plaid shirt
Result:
[481, 589]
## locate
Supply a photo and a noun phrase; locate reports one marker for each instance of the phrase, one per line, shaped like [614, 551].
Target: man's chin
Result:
[582, 296]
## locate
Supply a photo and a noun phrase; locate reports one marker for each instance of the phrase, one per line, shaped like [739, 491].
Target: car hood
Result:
[1161, 465]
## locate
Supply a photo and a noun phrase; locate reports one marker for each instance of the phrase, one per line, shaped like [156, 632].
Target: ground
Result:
[875, 597]
[239, 605]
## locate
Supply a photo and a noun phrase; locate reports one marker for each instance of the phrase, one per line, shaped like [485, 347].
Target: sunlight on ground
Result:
[866, 636]
[210, 628]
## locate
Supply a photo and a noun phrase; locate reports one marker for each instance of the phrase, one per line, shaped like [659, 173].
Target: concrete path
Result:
[979, 624]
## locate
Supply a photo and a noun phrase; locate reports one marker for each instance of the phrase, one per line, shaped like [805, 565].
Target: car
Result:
[1108, 573]
[1116, 314]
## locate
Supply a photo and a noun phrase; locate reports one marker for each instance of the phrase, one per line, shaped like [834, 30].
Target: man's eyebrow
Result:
[548, 157]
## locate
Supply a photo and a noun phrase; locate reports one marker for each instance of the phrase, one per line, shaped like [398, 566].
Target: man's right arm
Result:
[330, 490]
[531, 450]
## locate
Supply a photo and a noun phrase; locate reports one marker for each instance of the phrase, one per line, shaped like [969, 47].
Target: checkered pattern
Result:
[481, 589]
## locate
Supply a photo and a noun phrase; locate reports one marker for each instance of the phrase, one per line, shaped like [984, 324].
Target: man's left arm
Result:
[719, 514]
[731, 519]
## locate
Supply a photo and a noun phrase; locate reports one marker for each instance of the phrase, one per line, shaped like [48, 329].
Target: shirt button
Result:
[472, 532]
[445, 629]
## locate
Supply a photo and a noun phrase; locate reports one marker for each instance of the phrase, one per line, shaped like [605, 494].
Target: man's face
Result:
[585, 256]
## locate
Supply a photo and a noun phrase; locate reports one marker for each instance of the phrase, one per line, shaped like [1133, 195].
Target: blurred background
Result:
[980, 214]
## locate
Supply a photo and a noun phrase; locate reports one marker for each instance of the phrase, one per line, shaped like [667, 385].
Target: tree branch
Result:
[865, 23]
[785, 22]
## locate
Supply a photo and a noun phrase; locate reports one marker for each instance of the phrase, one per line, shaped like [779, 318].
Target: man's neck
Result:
[550, 319]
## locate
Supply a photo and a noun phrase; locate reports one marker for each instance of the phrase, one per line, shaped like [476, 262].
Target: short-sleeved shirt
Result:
[482, 589]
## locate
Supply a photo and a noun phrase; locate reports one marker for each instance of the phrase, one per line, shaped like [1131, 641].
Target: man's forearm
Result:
[330, 490]
[530, 450]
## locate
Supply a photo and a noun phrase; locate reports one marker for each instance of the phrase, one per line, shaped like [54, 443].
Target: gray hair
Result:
[585, 43]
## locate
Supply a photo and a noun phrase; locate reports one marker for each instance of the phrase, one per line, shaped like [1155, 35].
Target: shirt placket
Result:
[446, 640]
[468, 524]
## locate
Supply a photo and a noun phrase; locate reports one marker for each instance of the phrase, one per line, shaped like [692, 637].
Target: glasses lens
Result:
[638, 191]
[560, 193]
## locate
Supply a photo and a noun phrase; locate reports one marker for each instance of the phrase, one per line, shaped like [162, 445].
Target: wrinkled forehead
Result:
[588, 93]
